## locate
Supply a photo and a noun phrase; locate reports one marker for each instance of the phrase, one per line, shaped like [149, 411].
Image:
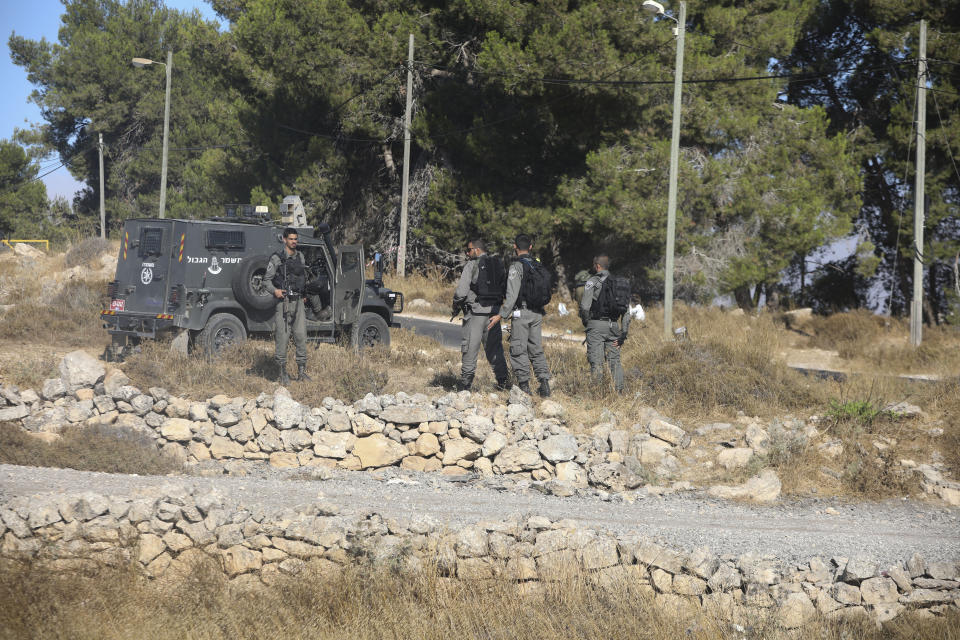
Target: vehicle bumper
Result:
[140, 325]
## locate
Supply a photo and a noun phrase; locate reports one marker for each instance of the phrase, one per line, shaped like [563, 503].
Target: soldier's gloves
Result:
[623, 338]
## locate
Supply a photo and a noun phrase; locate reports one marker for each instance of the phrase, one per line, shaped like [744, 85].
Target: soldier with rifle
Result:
[286, 271]
[478, 296]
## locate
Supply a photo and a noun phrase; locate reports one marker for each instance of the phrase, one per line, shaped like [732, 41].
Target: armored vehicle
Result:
[203, 280]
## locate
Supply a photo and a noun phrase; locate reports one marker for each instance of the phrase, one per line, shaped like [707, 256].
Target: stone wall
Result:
[164, 532]
[447, 434]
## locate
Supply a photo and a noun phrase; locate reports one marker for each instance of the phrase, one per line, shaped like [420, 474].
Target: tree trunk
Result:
[561, 270]
[742, 296]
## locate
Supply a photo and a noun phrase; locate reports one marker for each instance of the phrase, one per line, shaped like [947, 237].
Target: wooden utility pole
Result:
[404, 191]
[103, 211]
[916, 307]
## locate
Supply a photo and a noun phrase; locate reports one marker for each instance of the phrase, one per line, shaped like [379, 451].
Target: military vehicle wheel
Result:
[248, 285]
[222, 330]
[371, 331]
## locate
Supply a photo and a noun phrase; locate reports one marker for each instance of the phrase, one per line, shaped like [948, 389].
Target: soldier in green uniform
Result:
[479, 293]
[286, 271]
[605, 333]
[526, 341]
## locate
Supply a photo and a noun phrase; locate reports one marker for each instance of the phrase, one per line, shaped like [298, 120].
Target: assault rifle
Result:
[459, 306]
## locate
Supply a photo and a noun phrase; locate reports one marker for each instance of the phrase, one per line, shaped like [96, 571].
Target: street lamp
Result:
[143, 62]
[657, 9]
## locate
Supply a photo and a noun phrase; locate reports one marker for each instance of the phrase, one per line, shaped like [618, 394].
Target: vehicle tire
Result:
[248, 285]
[221, 331]
[371, 331]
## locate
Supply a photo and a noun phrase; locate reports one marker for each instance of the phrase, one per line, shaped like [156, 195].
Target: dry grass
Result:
[413, 364]
[879, 343]
[70, 318]
[373, 602]
[104, 449]
[84, 252]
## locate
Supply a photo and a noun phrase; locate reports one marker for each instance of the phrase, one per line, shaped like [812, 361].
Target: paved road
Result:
[885, 532]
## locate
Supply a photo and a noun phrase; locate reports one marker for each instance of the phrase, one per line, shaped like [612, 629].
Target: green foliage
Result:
[23, 198]
[862, 412]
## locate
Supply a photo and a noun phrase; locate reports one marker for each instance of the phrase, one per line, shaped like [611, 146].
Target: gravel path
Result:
[886, 532]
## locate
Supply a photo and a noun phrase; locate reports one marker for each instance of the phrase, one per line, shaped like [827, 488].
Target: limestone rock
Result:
[364, 425]
[796, 610]
[16, 412]
[79, 369]
[287, 412]
[327, 444]
[572, 473]
[462, 449]
[858, 570]
[225, 448]
[398, 414]
[668, 432]
[735, 458]
[53, 388]
[878, 591]
[427, 445]
[378, 451]
[284, 460]
[494, 444]
[477, 428]
[761, 488]
[551, 409]
[559, 448]
[177, 429]
[150, 547]
[239, 559]
[523, 456]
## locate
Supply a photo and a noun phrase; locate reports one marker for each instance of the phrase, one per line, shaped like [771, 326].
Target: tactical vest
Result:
[291, 274]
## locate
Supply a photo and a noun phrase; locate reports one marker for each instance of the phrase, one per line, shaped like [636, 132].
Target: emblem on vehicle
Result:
[214, 267]
[146, 275]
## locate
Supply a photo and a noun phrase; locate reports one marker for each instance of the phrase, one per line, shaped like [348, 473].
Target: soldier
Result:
[528, 290]
[286, 271]
[479, 293]
[606, 324]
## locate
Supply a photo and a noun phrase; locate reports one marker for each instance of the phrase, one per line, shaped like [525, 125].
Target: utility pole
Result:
[916, 307]
[674, 168]
[103, 211]
[402, 249]
[166, 131]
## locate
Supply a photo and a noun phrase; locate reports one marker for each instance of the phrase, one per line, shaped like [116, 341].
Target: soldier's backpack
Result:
[613, 299]
[536, 285]
[491, 283]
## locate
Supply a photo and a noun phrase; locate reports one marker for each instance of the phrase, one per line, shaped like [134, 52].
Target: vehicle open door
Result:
[348, 293]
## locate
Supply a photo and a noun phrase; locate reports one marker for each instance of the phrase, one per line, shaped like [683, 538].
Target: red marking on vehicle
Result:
[117, 305]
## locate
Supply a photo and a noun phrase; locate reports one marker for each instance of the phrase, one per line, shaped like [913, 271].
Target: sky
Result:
[41, 19]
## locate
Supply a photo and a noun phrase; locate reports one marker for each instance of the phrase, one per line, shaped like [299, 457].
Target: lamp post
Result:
[143, 62]
[657, 9]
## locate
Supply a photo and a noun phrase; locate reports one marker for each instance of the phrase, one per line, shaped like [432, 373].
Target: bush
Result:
[102, 448]
[83, 253]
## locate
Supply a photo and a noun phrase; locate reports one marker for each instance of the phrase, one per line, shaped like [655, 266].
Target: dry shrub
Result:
[369, 601]
[72, 317]
[100, 448]
[84, 252]
[941, 400]
[882, 343]
[700, 378]
[30, 368]
[433, 284]
[249, 369]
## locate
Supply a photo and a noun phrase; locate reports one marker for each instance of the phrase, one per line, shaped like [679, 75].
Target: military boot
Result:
[284, 376]
[503, 384]
[302, 371]
[464, 383]
[525, 386]
[544, 389]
